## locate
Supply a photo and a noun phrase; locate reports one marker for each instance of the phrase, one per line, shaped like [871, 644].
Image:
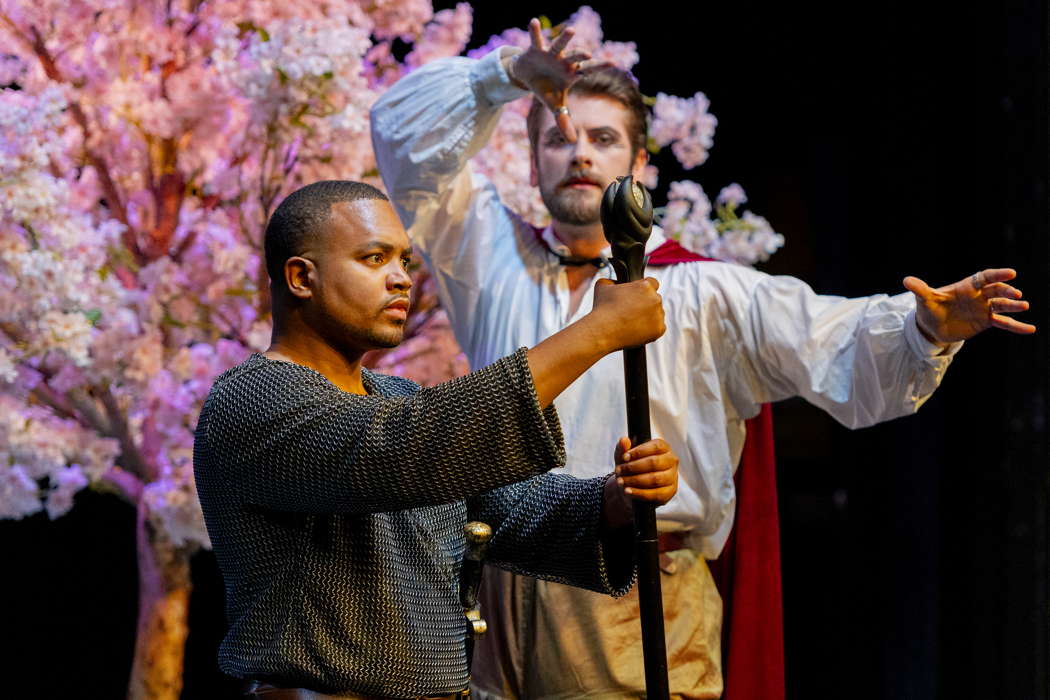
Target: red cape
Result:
[748, 571]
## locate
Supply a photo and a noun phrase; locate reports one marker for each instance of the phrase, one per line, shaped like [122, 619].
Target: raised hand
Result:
[964, 309]
[548, 71]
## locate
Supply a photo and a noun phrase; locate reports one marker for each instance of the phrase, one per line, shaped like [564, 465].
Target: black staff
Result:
[627, 217]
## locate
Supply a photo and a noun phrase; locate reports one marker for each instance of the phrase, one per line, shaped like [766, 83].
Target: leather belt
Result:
[258, 689]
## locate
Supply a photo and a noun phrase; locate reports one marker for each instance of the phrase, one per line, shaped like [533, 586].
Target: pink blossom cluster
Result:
[686, 125]
[47, 459]
[135, 176]
[687, 216]
[745, 239]
[587, 26]
[447, 35]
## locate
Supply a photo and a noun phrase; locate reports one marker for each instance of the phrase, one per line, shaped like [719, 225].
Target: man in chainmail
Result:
[336, 497]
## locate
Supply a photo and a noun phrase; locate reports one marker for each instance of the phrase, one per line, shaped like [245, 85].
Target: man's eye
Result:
[406, 262]
[376, 258]
[555, 140]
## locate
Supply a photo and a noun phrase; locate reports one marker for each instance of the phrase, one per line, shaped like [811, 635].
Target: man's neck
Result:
[582, 242]
[310, 350]
[586, 241]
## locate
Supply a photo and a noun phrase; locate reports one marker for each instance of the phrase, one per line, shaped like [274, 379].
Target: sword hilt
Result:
[478, 535]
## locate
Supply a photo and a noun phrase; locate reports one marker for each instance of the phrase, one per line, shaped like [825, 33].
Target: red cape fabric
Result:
[748, 571]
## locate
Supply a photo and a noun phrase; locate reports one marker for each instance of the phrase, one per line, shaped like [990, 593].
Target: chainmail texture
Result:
[337, 519]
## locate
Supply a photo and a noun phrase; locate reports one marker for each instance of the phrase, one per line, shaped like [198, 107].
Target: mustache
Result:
[579, 175]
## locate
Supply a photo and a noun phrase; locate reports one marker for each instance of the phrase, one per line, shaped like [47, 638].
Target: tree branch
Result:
[55, 401]
[130, 455]
[88, 409]
[127, 484]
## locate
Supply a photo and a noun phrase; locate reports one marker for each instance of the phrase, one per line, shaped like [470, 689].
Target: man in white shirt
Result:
[737, 339]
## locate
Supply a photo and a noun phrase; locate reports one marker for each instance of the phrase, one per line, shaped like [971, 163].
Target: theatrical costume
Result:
[736, 339]
[337, 519]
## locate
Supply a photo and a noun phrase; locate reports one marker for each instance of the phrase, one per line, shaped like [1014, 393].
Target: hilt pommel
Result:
[627, 217]
[478, 535]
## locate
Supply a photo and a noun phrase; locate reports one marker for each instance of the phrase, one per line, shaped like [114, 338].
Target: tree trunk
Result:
[164, 598]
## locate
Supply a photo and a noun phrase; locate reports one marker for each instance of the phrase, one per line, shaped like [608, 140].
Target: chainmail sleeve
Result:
[294, 441]
[548, 527]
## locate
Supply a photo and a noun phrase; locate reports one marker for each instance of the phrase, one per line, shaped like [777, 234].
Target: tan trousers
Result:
[552, 642]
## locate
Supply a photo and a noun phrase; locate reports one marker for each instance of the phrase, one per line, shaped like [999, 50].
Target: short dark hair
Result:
[302, 215]
[605, 80]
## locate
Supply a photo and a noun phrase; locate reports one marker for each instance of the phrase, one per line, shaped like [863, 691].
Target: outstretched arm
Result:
[426, 127]
[962, 310]
[293, 441]
[863, 360]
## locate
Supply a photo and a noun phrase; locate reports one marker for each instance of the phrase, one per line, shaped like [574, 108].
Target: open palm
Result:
[964, 309]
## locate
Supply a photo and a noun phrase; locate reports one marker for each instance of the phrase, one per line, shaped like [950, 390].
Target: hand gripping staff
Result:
[627, 217]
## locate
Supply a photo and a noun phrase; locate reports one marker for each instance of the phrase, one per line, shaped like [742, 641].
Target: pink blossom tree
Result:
[142, 147]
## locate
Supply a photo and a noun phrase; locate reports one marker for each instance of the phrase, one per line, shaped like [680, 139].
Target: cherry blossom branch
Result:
[114, 201]
[90, 416]
[55, 401]
[130, 456]
[129, 486]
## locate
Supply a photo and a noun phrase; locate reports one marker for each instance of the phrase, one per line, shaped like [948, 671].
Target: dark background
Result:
[882, 140]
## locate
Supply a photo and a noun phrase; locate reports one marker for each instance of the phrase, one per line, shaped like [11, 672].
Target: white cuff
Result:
[491, 82]
[924, 349]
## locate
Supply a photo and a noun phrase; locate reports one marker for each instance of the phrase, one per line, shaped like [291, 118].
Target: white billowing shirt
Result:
[736, 338]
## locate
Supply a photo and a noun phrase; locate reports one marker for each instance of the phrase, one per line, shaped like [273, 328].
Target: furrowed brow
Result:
[376, 244]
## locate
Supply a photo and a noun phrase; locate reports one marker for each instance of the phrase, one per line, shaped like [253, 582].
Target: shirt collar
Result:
[656, 239]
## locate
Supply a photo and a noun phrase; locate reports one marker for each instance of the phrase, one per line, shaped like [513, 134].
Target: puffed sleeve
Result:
[862, 360]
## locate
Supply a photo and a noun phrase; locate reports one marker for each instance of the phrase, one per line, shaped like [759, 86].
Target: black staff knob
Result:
[627, 217]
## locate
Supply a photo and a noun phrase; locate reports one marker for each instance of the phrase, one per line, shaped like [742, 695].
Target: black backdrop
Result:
[882, 140]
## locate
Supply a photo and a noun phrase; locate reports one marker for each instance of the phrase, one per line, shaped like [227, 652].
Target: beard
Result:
[579, 208]
[352, 338]
[385, 338]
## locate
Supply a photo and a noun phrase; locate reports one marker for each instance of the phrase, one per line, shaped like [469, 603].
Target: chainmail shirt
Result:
[337, 519]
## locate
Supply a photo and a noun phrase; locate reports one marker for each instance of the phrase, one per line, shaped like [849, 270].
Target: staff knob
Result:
[627, 218]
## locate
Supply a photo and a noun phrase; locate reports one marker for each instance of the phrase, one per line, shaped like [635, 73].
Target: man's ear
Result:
[534, 176]
[641, 159]
[300, 276]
